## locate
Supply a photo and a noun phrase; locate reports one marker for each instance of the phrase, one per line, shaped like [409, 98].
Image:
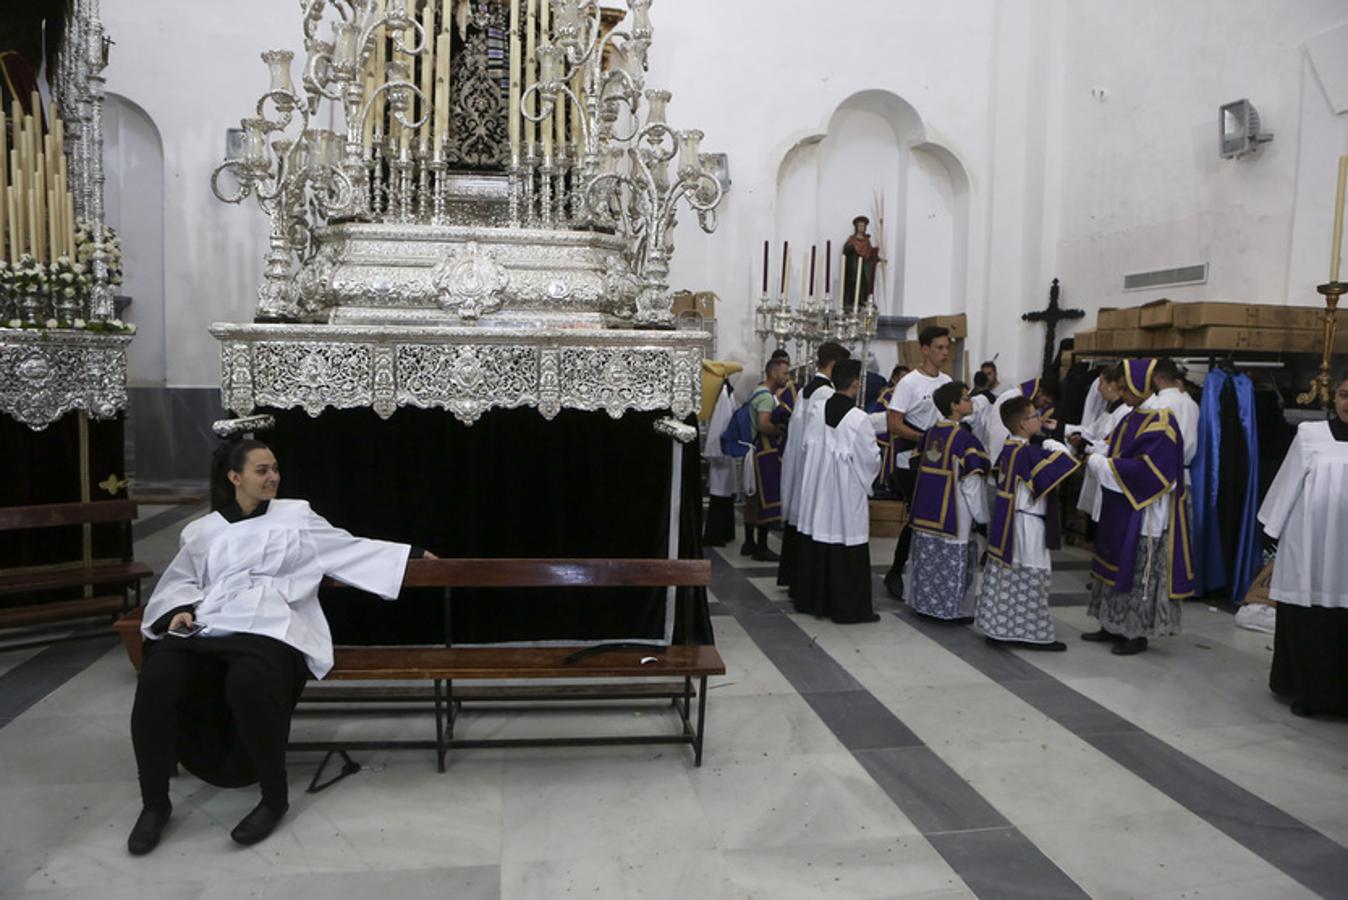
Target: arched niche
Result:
[133, 201]
[875, 156]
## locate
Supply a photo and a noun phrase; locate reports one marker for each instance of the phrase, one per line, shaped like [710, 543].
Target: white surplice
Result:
[1185, 412]
[1306, 509]
[846, 461]
[1095, 403]
[261, 576]
[722, 472]
[792, 457]
[812, 461]
[1096, 436]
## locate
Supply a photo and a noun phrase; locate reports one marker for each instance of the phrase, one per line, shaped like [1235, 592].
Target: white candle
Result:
[1338, 220]
[545, 36]
[428, 70]
[530, 71]
[442, 51]
[514, 113]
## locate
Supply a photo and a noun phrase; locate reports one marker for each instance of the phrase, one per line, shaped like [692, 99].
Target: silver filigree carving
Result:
[676, 430]
[471, 283]
[44, 375]
[466, 370]
[225, 428]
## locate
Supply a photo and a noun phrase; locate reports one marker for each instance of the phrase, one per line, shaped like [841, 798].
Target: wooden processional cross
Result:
[1051, 317]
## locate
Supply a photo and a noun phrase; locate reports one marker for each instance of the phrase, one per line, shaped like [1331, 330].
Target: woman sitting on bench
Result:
[232, 632]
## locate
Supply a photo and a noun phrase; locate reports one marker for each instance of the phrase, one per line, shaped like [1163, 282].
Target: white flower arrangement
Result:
[112, 250]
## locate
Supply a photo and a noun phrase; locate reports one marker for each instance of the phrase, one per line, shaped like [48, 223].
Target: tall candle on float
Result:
[828, 267]
[1338, 220]
[442, 51]
[813, 248]
[428, 70]
[545, 127]
[765, 268]
[530, 72]
[4, 182]
[514, 112]
[786, 261]
[380, 67]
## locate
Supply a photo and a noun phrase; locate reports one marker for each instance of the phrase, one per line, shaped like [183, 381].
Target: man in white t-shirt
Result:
[911, 413]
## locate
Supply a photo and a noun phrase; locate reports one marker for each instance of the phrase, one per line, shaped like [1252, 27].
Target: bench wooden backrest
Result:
[50, 515]
[488, 573]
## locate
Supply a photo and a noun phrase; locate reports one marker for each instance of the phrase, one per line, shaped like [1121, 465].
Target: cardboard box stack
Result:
[1169, 327]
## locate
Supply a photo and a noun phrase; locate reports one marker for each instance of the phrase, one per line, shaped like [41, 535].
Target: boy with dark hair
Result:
[948, 497]
[833, 577]
[911, 413]
[793, 455]
[1013, 599]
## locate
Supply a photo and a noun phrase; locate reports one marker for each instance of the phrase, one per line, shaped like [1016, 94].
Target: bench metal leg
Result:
[441, 745]
[349, 767]
[701, 721]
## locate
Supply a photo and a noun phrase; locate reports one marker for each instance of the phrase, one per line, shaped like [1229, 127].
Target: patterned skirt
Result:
[1146, 610]
[1013, 603]
[941, 576]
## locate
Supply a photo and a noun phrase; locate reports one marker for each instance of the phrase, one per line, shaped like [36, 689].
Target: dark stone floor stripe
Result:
[969, 833]
[39, 675]
[149, 525]
[1295, 848]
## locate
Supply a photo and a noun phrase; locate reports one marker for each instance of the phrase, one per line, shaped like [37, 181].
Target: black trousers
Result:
[903, 481]
[221, 706]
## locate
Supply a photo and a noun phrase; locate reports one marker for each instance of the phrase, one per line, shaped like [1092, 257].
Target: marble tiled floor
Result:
[898, 759]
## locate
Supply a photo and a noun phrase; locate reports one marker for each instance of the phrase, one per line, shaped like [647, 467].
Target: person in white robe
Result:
[793, 455]
[1093, 435]
[232, 631]
[1306, 512]
[834, 577]
[718, 406]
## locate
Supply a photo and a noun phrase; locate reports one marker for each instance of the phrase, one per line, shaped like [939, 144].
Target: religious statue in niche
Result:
[859, 251]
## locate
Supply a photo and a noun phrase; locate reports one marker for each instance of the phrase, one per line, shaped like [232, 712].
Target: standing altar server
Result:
[1143, 566]
[834, 575]
[1013, 598]
[793, 455]
[1306, 510]
[949, 496]
[232, 632]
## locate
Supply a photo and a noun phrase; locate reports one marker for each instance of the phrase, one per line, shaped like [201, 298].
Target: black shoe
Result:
[962, 620]
[1103, 637]
[748, 549]
[145, 833]
[895, 587]
[763, 554]
[259, 823]
[1130, 647]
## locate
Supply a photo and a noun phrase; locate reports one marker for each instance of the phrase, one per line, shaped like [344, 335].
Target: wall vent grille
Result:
[1146, 281]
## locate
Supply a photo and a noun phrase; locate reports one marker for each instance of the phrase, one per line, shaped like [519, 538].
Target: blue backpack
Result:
[738, 438]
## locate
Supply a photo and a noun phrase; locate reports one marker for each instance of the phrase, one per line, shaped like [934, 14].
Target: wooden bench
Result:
[110, 584]
[445, 665]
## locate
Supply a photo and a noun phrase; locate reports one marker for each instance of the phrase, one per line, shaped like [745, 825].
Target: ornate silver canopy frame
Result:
[45, 376]
[392, 280]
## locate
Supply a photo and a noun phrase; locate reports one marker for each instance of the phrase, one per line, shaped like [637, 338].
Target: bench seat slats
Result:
[117, 573]
[50, 515]
[587, 573]
[396, 663]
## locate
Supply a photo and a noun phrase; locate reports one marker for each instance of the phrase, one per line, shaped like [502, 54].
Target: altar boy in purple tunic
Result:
[949, 496]
[1143, 566]
[1013, 598]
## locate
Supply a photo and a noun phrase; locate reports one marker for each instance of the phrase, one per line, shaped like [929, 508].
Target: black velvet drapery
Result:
[511, 485]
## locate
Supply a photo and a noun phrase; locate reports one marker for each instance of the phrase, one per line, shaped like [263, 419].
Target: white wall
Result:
[1143, 187]
[1057, 183]
[134, 205]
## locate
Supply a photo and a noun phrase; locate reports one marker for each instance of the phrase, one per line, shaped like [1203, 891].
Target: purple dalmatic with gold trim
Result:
[934, 507]
[1146, 454]
[888, 452]
[1040, 470]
